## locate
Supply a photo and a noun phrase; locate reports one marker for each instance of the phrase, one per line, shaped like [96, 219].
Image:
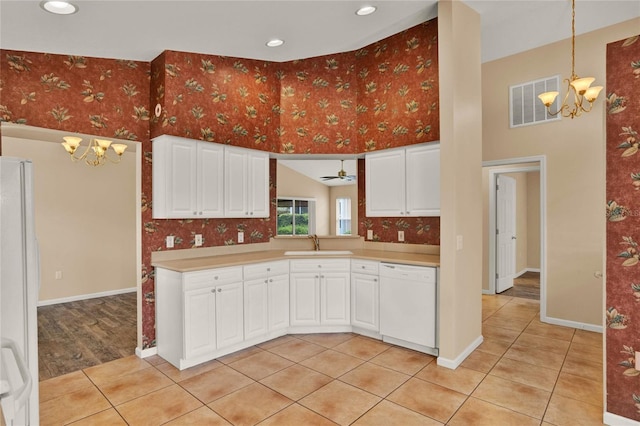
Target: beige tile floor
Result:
[525, 372]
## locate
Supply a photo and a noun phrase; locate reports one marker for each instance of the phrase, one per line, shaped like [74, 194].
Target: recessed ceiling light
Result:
[275, 42]
[59, 7]
[365, 10]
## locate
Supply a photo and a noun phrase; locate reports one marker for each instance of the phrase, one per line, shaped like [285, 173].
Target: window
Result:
[526, 108]
[343, 216]
[295, 216]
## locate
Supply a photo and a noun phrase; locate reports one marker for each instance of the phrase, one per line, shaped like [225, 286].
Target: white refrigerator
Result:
[19, 287]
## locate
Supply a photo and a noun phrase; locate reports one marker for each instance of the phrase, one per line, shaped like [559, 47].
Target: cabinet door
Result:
[210, 172]
[258, 184]
[385, 183]
[199, 322]
[180, 181]
[278, 295]
[229, 314]
[235, 182]
[423, 180]
[304, 301]
[335, 296]
[365, 299]
[256, 308]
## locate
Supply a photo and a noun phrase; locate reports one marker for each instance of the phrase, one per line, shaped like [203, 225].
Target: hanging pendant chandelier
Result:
[580, 87]
[97, 153]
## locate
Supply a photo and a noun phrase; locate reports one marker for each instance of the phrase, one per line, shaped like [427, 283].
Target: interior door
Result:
[505, 233]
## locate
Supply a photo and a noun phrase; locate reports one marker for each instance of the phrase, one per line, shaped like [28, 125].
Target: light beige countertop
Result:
[238, 259]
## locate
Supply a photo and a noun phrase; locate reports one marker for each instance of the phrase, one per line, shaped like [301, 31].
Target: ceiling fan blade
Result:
[329, 177]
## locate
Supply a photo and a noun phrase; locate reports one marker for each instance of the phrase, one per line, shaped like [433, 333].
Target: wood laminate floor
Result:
[77, 335]
[526, 285]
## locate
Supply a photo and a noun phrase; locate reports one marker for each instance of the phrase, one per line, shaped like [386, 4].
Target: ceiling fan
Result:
[342, 175]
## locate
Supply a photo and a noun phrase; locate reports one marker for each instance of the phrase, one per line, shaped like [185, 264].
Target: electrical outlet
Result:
[459, 242]
[58, 275]
[198, 240]
[240, 237]
[369, 234]
[401, 236]
[170, 241]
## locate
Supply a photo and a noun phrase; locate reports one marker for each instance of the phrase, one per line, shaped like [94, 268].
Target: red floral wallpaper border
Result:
[623, 227]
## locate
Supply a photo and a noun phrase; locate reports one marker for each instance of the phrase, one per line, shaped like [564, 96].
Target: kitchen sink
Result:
[317, 252]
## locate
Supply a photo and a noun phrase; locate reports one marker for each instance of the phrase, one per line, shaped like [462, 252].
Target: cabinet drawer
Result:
[364, 266]
[267, 269]
[313, 265]
[212, 277]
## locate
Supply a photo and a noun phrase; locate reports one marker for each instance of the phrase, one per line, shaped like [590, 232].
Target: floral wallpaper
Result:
[218, 99]
[384, 95]
[381, 96]
[417, 230]
[318, 100]
[623, 227]
[398, 89]
[103, 97]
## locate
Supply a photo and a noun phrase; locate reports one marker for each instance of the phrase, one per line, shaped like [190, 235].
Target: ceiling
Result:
[141, 30]
[315, 169]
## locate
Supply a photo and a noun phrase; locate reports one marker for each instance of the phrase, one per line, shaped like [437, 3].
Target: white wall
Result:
[574, 149]
[293, 184]
[85, 220]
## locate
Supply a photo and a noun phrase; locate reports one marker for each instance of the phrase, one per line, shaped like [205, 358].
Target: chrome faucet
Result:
[316, 242]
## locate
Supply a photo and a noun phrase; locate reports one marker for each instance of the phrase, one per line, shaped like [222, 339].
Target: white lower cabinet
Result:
[206, 314]
[198, 314]
[365, 295]
[320, 292]
[266, 299]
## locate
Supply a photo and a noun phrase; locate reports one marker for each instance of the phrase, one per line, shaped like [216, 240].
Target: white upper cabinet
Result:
[187, 178]
[403, 182]
[385, 183]
[423, 180]
[246, 188]
[197, 180]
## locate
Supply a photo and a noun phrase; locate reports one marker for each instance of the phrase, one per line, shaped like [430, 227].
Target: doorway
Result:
[89, 229]
[493, 261]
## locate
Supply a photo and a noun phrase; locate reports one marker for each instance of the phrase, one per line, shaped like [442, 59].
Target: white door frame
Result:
[517, 165]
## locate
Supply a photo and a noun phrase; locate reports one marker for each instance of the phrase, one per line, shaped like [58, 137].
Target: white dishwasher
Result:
[408, 301]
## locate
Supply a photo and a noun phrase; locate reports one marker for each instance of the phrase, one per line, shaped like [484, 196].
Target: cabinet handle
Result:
[215, 278]
[317, 276]
[271, 280]
[268, 269]
[408, 212]
[251, 213]
[200, 213]
[321, 276]
[362, 266]
[375, 280]
[219, 290]
[213, 290]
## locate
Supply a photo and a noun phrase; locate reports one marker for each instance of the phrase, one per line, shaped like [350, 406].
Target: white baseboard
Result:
[144, 353]
[455, 363]
[573, 324]
[525, 270]
[85, 296]
[616, 420]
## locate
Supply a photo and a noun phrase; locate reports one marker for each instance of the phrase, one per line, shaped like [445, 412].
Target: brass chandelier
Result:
[97, 153]
[581, 87]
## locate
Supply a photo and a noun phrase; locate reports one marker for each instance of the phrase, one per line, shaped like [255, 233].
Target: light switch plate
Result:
[198, 240]
[170, 241]
[240, 237]
[459, 242]
[369, 234]
[58, 275]
[401, 236]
